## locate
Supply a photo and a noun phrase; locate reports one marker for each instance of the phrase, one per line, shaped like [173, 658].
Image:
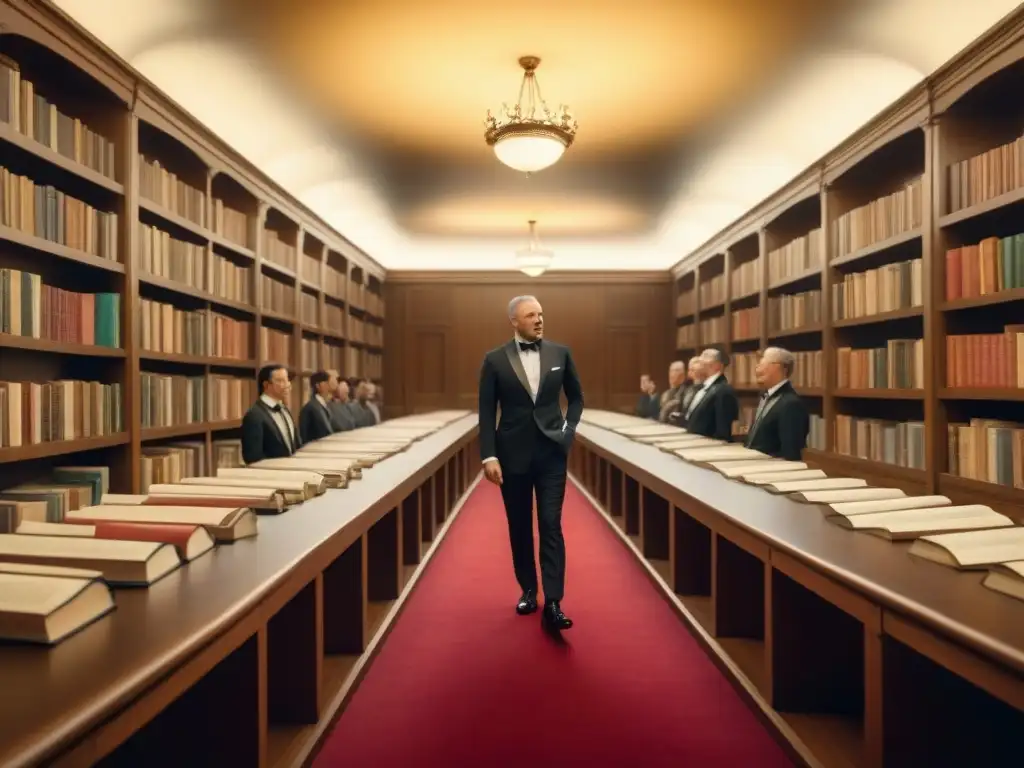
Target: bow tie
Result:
[527, 346]
[276, 408]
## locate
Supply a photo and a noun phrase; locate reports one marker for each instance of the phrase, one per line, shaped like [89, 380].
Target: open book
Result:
[846, 494]
[869, 506]
[903, 524]
[45, 603]
[223, 524]
[706, 456]
[283, 492]
[692, 441]
[314, 482]
[821, 484]
[739, 468]
[973, 549]
[191, 541]
[336, 472]
[259, 499]
[767, 478]
[650, 430]
[129, 563]
[1007, 578]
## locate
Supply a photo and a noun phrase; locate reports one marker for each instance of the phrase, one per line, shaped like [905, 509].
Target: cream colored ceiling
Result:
[370, 111]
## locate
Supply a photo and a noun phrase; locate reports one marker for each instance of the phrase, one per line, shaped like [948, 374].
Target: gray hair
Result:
[715, 356]
[783, 357]
[514, 304]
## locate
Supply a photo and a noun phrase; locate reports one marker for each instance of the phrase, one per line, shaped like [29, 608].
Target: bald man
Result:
[671, 396]
[781, 422]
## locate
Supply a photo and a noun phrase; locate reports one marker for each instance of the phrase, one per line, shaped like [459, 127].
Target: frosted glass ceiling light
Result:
[529, 137]
[533, 260]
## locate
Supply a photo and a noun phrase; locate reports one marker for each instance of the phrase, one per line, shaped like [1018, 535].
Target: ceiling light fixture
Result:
[529, 137]
[534, 260]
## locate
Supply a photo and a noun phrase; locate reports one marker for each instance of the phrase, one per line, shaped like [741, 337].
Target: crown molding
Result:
[512, 277]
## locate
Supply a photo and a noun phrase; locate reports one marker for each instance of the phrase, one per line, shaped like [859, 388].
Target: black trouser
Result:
[545, 476]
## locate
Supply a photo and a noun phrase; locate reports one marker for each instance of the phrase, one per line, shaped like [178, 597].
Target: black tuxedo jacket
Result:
[314, 421]
[783, 427]
[715, 413]
[503, 384]
[647, 406]
[342, 418]
[261, 439]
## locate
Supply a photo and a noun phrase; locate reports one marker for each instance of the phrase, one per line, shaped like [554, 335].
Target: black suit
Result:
[261, 437]
[532, 445]
[715, 412]
[782, 427]
[361, 415]
[342, 418]
[314, 421]
[648, 406]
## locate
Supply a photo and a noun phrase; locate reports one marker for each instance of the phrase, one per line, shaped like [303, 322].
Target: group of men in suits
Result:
[335, 405]
[701, 399]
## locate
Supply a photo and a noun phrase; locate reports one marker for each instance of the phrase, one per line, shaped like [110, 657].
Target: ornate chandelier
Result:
[534, 260]
[529, 137]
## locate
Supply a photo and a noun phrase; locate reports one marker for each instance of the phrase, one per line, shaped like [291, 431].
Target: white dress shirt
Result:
[701, 392]
[282, 419]
[764, 401]
[530, 358]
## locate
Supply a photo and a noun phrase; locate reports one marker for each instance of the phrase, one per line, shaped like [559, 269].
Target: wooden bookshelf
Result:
[895, 260]
[146, 213]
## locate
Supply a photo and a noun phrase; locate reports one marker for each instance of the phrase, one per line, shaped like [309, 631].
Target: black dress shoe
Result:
[527, 603]
[553, 619]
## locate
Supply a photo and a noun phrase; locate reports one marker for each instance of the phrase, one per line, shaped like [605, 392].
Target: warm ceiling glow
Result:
[534, 260]
[684, 61]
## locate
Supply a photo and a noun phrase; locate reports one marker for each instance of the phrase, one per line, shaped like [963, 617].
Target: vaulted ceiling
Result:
[690, 111]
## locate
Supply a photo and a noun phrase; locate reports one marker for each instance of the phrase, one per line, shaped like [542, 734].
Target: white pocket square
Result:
[557, 368]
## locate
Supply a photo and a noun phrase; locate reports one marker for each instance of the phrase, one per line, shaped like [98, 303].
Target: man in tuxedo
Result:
[268, 430]
[361, 413]
[781, 422]
[527, 452]
[342, 419]
[714, 406]
[694, 380]
[670, 397]
[647, 405]
[371, 401]
[315, 416]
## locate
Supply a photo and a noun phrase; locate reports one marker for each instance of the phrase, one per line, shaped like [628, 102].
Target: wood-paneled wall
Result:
[439, 325]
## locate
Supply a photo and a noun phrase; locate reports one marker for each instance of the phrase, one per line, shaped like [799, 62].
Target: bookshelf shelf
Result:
[158, 223]
[914, 241]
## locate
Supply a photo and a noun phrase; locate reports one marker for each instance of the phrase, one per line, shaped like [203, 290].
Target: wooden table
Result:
[245, 656]
[854, 652]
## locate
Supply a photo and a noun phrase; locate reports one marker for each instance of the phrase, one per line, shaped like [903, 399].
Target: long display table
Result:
[245, 656]
[856, 653]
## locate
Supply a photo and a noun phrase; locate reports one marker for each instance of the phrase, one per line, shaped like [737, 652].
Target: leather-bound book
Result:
[126, 563]
[191, 541]
[314, 482]
[45, 604]
[223, 524]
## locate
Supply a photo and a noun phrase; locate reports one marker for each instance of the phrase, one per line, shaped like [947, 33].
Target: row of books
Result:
[43, 211]
[169, 401]
[34, 116]
[875, 291]
[795, 258]
[713, 291]
[961, 536]
[163, 187]
[986, 360]
[167, 329]
[746, 323]
[879, 220]
[31, 309]
[162, 255]
[277, 296]
[793, 311]
[897, 365]
[32, 413]
[67, 542]
[278, 251]
[808, 371]
[993, 265]
[746, 278]
[986, 175]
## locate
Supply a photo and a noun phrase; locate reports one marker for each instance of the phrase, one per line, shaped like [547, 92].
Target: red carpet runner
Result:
[463, 681]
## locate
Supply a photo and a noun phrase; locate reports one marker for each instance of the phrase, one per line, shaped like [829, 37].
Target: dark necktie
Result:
[527, 346]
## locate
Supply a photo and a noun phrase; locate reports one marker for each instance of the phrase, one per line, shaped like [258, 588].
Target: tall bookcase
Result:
[894, 269]
[153, 269]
